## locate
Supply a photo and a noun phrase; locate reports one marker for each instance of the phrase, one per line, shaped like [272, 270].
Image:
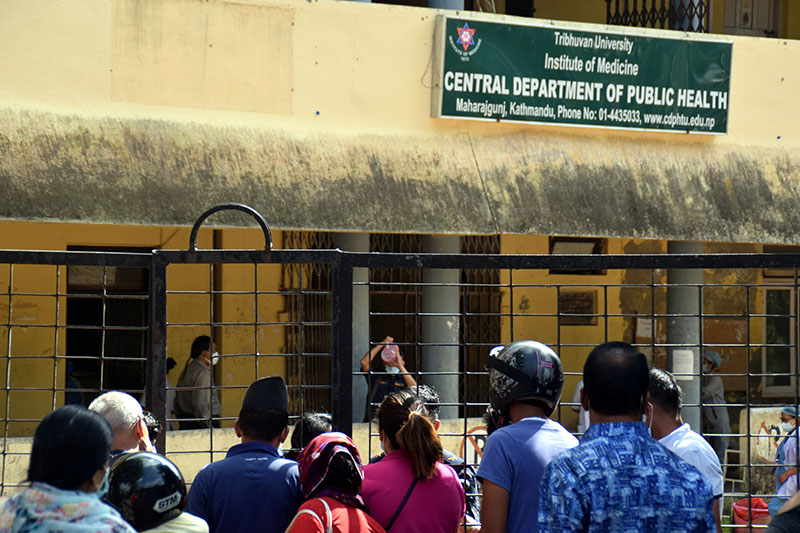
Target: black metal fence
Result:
[77, 323]
[684, 15]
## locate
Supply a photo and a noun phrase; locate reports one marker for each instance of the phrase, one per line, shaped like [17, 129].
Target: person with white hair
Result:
[124, 414]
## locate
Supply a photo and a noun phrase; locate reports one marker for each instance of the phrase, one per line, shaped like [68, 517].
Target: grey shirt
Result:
[715, 419]
[202, 401]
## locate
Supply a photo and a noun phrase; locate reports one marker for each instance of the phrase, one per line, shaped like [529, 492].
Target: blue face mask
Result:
[102, 490]
[392, 369]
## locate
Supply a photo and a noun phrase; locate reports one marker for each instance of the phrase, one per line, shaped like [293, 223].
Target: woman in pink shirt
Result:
[410, 489]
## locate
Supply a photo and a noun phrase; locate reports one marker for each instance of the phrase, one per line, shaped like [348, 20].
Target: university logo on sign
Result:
[465, 44]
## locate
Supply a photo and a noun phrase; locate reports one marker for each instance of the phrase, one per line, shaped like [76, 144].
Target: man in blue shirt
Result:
[619, 478]
[526, 381]
[254, 488]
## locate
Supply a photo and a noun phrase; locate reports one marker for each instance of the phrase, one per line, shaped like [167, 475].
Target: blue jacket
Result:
[252, 489]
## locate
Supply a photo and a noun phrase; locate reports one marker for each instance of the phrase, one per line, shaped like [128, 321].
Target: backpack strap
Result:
[328, 515]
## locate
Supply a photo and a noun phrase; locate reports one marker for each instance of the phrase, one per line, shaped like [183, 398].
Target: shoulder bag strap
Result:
[402, 504]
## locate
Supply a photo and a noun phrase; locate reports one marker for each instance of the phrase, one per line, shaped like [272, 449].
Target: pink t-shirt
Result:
[436, 505]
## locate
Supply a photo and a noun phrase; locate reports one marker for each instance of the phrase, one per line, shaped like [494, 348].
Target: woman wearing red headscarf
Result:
[330, 477]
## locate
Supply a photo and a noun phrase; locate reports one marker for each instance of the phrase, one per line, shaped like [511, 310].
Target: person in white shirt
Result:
[668, 428]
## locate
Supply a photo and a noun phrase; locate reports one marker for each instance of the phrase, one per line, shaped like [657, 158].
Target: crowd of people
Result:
[638, 466]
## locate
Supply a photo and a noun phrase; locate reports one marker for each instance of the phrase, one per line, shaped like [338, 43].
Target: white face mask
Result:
[644, 419]
[787, 427]
[392, 369]
[214, 358]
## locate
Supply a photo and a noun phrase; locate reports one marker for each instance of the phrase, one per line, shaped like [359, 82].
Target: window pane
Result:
[778, 332]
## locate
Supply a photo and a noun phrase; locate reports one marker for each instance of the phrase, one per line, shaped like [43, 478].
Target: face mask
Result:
[787, 427]
[102, 490]
[644, 419]
[392, 369]
[214, 358]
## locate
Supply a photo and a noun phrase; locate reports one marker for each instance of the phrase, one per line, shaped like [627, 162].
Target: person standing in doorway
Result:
[715, 417]
[196, 398]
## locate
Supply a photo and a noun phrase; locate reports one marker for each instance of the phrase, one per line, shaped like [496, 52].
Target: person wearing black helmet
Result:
[526, 381]
[149, 492]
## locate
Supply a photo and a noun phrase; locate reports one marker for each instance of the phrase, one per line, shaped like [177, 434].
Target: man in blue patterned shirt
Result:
[620, 479]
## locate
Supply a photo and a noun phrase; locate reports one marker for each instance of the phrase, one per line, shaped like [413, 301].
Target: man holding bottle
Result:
[395, 378]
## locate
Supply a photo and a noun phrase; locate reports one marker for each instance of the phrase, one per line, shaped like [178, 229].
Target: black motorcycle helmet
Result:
[525, 370]
[146, 489]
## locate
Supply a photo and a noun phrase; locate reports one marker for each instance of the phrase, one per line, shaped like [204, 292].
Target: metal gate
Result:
[66, 311]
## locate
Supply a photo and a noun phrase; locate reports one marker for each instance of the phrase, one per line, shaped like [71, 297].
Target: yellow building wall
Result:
[318, 68]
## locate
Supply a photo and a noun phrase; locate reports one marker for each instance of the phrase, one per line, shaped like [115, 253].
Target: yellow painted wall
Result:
[320, 67]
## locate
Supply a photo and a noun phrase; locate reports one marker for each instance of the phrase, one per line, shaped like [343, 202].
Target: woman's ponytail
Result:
[420, 441]
[404, 420]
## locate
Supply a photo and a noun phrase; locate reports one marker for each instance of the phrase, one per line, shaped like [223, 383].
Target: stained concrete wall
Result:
[135, 112]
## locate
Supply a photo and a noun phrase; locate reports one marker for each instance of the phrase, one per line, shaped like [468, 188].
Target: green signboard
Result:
[550, 75]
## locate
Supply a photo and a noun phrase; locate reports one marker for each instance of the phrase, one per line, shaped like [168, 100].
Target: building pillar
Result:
[446, 4]
[358, 242]
[441, 331]
[684, 330]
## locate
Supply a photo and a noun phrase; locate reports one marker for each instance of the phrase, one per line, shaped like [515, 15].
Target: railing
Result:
[684, 15]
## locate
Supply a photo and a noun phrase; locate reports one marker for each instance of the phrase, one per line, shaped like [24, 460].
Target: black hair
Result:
[665, 391]
[430, 399]
[69, 446]
[616, 377]
[342, 475]
[262, 424]
[200, 345]
[494, 419]
[171, 363]
[309, 426]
